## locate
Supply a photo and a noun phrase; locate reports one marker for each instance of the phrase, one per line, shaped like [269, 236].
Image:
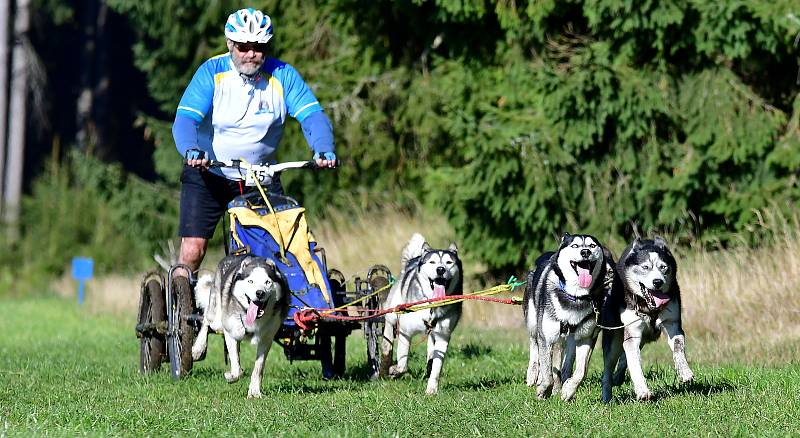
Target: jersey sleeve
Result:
[300, 100]
[199, 95]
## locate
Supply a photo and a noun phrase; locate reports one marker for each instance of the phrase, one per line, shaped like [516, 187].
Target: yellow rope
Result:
[482, 293]
[365, 297]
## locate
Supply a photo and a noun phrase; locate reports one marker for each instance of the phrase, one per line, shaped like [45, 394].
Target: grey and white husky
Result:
[562, 297]
[425, 273]
[651, 304]
[249, 298]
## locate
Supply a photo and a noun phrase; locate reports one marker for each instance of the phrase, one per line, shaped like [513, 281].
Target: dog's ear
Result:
[240, 272]
[637, 242]
[565, 237]
[453, 247]
[660, 242]
[426, 247]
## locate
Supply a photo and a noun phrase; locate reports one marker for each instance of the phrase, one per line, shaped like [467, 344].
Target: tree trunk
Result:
[17, 110]
[86, 135]
[101, 82]
[4, 17]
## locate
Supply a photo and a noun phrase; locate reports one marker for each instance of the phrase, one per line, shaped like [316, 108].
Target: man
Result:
[235, 107]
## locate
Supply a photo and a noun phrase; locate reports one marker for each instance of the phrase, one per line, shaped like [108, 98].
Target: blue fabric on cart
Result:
[260, 243]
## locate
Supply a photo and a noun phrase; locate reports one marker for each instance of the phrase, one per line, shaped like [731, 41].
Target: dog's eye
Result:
[664, 269]
[250, 281]
[592, 245]
[647, 267]
[574, 245]
[449, 262]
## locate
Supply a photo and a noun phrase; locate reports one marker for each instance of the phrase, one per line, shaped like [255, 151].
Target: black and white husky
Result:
[249, 298]
[562, 297]
[425, 273]
[651, 304]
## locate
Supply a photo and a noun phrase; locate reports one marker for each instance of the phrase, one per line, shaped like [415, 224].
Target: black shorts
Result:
[205, 197]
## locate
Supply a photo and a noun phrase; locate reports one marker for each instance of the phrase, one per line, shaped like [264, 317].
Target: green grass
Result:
[66, 372]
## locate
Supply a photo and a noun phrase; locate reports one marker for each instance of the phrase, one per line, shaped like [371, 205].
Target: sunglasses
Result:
[246, 47]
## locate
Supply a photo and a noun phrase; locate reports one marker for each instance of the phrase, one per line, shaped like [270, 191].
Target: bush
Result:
[84, 207]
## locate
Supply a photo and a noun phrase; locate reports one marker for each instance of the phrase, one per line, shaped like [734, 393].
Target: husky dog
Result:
[249, 298]
[562, 297]
[651, 304]
[424, 273]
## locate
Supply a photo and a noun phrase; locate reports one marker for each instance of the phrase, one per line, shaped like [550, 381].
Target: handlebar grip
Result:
[194, 154]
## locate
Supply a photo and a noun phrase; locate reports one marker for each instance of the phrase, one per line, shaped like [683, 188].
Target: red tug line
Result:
[306, 318]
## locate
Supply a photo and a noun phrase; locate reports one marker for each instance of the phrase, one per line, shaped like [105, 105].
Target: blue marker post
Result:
[82, 270]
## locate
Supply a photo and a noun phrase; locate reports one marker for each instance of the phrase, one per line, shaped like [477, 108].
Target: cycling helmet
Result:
[249, 26]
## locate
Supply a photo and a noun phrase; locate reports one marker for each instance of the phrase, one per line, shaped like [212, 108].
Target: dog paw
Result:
[542, 392]
[395, 372]
[644, 395]
[198, 353]
[687, 376]
[606, 394]
[431, 390]
[231, 377]
[568, 391]
[254, 393]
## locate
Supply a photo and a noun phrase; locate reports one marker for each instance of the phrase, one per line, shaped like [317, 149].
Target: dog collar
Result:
[562, 287]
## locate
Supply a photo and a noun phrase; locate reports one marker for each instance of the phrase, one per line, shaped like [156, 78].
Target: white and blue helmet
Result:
[249, 26]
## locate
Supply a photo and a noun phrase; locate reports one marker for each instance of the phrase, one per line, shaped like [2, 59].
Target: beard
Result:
[247, 68]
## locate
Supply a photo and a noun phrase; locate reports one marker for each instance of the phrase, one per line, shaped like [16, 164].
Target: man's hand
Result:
[196, 158]
[325, 159]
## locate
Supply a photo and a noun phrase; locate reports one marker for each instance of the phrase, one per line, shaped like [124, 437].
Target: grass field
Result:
[65, 371]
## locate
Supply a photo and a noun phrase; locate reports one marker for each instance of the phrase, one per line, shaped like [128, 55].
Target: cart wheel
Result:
[378, 277]
[151, 326]
[180, 334]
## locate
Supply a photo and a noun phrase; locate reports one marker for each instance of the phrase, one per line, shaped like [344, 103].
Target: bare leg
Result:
[193, 250]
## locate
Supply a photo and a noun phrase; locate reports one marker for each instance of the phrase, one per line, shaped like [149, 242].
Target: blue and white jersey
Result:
[242, 118]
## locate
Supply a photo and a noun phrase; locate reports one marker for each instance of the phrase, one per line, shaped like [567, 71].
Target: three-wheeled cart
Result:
[273, 226]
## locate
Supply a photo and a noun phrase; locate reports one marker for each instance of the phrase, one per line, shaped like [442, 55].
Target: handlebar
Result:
[269, 169]
[263, 173]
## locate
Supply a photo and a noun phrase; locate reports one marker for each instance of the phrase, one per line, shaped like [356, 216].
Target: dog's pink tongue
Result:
[660, 299]
[252, 313]
[584, 277]
[438, 291]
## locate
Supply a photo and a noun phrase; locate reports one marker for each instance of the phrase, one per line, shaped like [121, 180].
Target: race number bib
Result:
[260, 175]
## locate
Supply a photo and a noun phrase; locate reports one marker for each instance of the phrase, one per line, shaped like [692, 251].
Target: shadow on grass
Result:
[699, 386]
[487, 382]
[471, 351]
